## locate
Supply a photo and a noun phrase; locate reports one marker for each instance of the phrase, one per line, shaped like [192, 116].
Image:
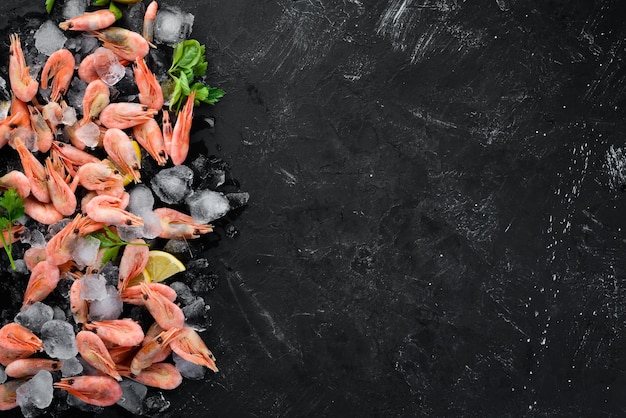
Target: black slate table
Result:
[435, 225]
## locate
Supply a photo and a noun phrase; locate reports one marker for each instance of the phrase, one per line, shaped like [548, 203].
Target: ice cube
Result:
[206, 206]
[58, 339]
[155, 404]
[210, 170]
[172, 185]
[69, 116]
[71, 367]
[196, 315]
[94, 287]
[35, 316]
[188, 369]
[73, 8]
[49, 38]
[108, 308]
[3, 375]
[85, 250]
[141, 199]
[133, 395]
[76, 93]
[34, 238]
[129, 233]
[237, 200]
[59, 314]
[108, 66]
[89, 134]
[172, 25]
[176, 246]
[36, 392]
[183, 293]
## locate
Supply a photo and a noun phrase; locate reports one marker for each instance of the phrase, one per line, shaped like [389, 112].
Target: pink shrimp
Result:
[121, 332]
[121, 151]
[107, 209]
[150, 137]
[178, 225]
[133, 261]
[99, 19]
[30, 366]
[150, 92]
[60, 69]
[182, 128]
[125, 43]
[22, 84]
[34, 170]
[43, 280]
[17, 180]
[133, 295]
[146, 354]
[125, 115]
[94, 390]
[41, 128]
[78, 306]
[93, 351]
[45, 213]
[190, 346]
[165, 312]
[61, 194]
[96, 98]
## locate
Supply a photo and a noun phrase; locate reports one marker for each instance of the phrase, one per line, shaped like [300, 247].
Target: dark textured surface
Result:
[436, 217]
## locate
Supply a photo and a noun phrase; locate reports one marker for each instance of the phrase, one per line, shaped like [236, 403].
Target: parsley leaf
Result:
[111, 242]
[49, 4]
[12, 208]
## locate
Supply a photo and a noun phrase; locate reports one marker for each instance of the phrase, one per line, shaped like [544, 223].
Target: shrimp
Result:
[44, 213]
[150, 92]
[121, 151]
[107, 209]
[158, 375]
[42, 281]
[61, 194]
[8, 394]
[53, 113]
[165, 312]
[94, 390]
[182, 128]
[190, 346]
[121, 332]
[78, 306]
[167, 131]
[150, 137]
[60, 69]
[146, 354]
[177, 225]
[30, 366]
[22, 84]
[125, 43]
[96, 98]
[17, 180]
[97, 20]
[125, 115]
[34, 170]
[148, 21]
[93, 351]
[99, 176]
[87, 69]
[151, 334]
[133, 296]
[33, 256]
[59, 248]
[17, 341]
[72, 157]
[41, 128]
[133, 261]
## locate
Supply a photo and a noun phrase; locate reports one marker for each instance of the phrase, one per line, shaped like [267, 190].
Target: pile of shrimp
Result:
[55, 164]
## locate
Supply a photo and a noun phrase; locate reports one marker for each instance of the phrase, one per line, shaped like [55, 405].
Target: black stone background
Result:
[436, 221]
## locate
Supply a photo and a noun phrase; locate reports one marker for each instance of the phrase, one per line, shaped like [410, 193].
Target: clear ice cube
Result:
[49, 38]
[172, 25]
[206, 206]
[59, 340]
[172, 185]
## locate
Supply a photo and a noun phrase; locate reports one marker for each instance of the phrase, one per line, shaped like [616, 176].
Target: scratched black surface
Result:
[436, 217]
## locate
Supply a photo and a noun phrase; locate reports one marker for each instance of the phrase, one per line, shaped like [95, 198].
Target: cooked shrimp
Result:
[121, 151]
[190, 346]
[165, 312]
[42, 281]
[182, 128]
[100, 19]
[61, 194]
[33, 256]
[146, 354]
[30, 366]
[125, 43]
[96, 98]
[150, 137]
[133, 296]
[154, 331]
[167, 131]
[17, 180]
[158, 375]
[125, 115]
[106, 209]
[34, 170]
[44, 213]
[72, 157]
[177, 225]
[93, 351]
[121, 332]
[133, 261]
[60, 69]
[87, 70]
[59, 248]
[16, 337]
[41, 128]
[148, 21]
[8, 394]
[78, 306]
[94, 390]
[22, 84]
[99, 176]
[150, 92]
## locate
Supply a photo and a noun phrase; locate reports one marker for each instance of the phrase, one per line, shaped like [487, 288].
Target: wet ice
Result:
[94, 287]
[35, 316]
[133, 395]
[85, 252]
[172, 25]
[172, 185]
[206, 206]
[49, 38]
[36, 392]
[3, 375]
[109, 307]
[71, 367]
[188, 369]
[73, 8]
[58, 339]
[89, 133]
[108, 66]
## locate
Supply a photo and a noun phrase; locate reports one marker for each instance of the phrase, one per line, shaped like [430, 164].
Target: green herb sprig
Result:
[11, 208]
[188, 62]
[112, 242]
[49, 4]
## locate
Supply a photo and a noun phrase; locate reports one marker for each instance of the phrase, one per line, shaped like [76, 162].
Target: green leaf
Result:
[214, 95]
[49, 4]
[13, 204]
[116, 10]
[110, 254]
[100, 2]
[200, 69]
